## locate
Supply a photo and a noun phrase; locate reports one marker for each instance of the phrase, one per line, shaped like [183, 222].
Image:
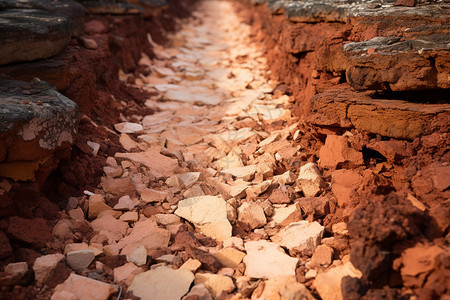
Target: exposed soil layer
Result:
[253, 160]
[397, 132]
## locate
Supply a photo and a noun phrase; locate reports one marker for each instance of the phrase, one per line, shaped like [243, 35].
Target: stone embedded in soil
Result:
[300, 237]
[162, 283]
[43, 267]
[309, 180]
[35, 122]
[216, 284]
[284, 287]
[268, 260]
[79, 260]
[17, 270]
[344, 184]
[208, 213]
[328, 284]
[80, 287]
[337, 152]
[252, 214]
[35, 232]
[159, 165]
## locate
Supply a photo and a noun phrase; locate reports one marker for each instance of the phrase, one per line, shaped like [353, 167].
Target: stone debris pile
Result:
[218, 194]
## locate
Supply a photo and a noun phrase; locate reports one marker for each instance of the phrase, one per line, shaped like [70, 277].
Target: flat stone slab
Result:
[389, 63]
[70, 8]
[35, 121]
[342, 107]
[29, 34]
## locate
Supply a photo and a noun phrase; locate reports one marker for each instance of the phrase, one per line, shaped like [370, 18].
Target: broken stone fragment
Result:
[125, 203]
[147, 234]
[230, 257]
[328, 284]
[43, 267]
[252, 214]
[216, 284]
[208, 213]
[96, 206]
[80, 287]
[115, 228]
[126, 273]
[323, 256]
[198, 291]
[279, 197]
[79, 260]
[162, 283]
[138, 256]
[150, 195]
[127, 127]
[189, 179]
[17, 270]
[159, 165]
[268, 260]
[191, 264]
[244, 173]
[309, 180]
[283, 287]
[300, 237]
[286, 215]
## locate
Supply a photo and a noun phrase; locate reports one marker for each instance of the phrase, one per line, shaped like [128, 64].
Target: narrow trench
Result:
[213, 190]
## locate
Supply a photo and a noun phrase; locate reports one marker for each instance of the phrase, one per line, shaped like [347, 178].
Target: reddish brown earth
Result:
[404, 144]
[383, 155]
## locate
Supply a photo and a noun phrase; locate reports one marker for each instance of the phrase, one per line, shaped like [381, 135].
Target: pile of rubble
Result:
[225, 193]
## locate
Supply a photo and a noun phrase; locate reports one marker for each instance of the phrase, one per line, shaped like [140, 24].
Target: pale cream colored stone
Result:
[192, 265]
[230, 257]
[300, 237]
[216, 284]
[328, 284]
[267, 260]
[161, 283]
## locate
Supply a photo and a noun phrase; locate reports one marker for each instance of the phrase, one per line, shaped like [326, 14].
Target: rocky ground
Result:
[217, 182]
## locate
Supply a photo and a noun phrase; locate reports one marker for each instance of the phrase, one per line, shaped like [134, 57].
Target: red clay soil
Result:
[386, 230]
